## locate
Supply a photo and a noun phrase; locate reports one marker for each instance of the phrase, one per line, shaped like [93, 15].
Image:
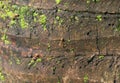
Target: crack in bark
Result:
[97, 40]
[104, 13]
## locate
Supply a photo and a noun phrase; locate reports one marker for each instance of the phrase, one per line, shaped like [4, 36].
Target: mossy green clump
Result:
[35, 14]
[2, 77]
[34, 62]
[22, 16]
[58, 20]
[95, 0]
[12, 11]
[89, 1]
[4, 38]
[23, 23]
[23, 12]
[12, 22]
[57, 1]
[86, 79]
[17, 61]
[118, 26]
[99, 17]
[43, 21]
[101, 56]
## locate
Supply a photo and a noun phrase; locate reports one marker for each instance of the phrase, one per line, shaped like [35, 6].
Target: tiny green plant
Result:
[101, 56]
[23, 23]
[23, 10]
[12, 22]
[43, 21]
[34, 62]
[48, 46]
[31, 62]
[4, 38]
[86, 79]
[57, 1]
[35, 14]
[18, 61]
[95, 0]
[58, 80]
[89, 1]
[99, 17]
[76, 19]
[2, 77]
[37, 61]
[118, 26]
[10, 14]
[13, 11]
[59, 20]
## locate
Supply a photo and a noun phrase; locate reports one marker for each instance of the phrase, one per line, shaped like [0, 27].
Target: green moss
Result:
[95, 0]
[17, 61]
[118, 26]
[2, 13]
[23, 23]
[4, 38]
[34, 62]
[31, 62]
[25, 15]
[2, 77]
[48, 46]
[89, 1]
[43, 21]
[12, 22]
[76, 19]
[101, 56]
[99, 17]
[86, 79]
[57, 1]
[58, 80]
[10, 14]
[1, 4]
[11, 11]
[58, 20]
[23, 10]
[35, 14]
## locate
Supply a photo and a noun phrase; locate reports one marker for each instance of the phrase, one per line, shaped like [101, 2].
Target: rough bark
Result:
[82, 45]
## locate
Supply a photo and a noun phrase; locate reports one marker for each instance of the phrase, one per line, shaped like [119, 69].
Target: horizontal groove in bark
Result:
[78, 65]
[81, 45]
[77, 27]
[110, 6]
[82, 20]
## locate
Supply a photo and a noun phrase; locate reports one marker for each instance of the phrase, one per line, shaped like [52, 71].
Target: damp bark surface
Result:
[66, 41]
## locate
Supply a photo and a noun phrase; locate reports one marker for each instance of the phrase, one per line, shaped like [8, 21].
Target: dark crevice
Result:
[91, 59]
[97, 41]
[55, 8]
[112, 63]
